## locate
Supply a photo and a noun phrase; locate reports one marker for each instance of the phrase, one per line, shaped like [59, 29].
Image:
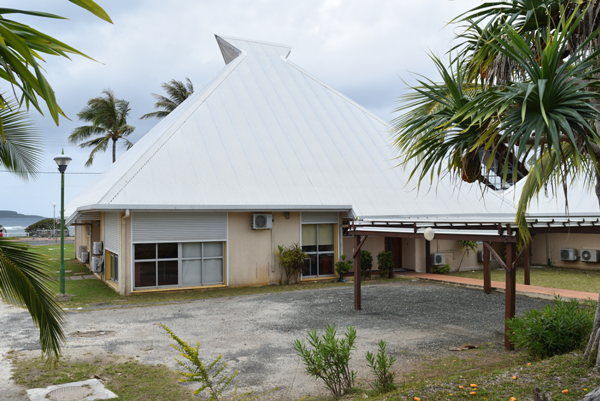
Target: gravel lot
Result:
[255, 333]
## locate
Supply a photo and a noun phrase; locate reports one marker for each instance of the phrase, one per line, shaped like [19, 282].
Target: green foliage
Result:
[24, 282]
[108, 118]
[557, 329]
[177, 92]
[292, 260]
[366, 264]
[211, 377]
[44, 224]
[385, 263]
[328, 358]
[445, 269]
[342, 267]
[381, 365]
[468, 245]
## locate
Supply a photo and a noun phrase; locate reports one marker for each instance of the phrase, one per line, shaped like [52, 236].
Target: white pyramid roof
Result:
[263, 134]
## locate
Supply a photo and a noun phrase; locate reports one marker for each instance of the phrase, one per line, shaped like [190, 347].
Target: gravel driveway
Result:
[255, 333]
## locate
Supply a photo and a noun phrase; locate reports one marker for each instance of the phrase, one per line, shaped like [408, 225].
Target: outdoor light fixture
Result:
[62, 161]
[429, 234]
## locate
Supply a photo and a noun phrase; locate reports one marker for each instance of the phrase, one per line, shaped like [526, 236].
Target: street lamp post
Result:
[62, 161]
[54, 231]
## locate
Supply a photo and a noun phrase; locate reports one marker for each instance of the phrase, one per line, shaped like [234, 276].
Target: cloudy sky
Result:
[364, 49]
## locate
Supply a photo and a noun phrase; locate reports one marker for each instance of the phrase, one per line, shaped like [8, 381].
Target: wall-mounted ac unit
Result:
[97, 248]
[96, 265]
[81, 250]
[480, 256]
[262, 221]
[438, 259]
[85, 257]
[590, 255]
[568, 254]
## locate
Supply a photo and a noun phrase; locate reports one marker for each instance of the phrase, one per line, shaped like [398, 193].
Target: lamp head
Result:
[62, 161]
[54, 204]
[429, 233]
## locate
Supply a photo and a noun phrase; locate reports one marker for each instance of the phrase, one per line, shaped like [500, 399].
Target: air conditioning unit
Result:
[590, 255]
[438, 259]
[568, 254]
[480, 256]
[262, 221]
[82, 249]
[97, 248]
[96, 265]
[85, 257]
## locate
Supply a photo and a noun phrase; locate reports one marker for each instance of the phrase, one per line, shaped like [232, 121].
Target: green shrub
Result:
[385, 263]
[557, 329]
[381, 364]
[44, 224]
[292, 260]
[210, 377]
[328, 359]
[342, 267]
[366, 264]
[468, 245]
[441, 269]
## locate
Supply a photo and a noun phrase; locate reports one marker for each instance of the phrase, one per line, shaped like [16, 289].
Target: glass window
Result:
[168, 251]
[145, 251]
[318, 240]
[166, 265]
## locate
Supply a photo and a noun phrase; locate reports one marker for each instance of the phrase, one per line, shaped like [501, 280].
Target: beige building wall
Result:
[559, 241]
[125, 275]
[251, 255]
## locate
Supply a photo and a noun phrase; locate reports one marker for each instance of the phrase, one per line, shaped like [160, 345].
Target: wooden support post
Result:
[511, 278]
[527, 259]
[427, 256]
[487, 274]
[357, 245]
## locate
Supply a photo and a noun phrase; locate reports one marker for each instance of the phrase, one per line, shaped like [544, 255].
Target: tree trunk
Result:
[114, 150]
[594, 335]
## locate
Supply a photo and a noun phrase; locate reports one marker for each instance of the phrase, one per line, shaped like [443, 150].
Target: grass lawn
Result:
[91, 292]
[551, 277]
[491, 368]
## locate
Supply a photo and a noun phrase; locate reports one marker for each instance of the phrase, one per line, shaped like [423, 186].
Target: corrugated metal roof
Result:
[264, 133]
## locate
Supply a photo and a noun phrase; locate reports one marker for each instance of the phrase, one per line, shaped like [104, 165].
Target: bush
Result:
[441, 269]
[381, 364]
[292, 260]
[557, 329]
[342, 267]
[385, 263]
[329, 359]
[366, 264]
[44, 224]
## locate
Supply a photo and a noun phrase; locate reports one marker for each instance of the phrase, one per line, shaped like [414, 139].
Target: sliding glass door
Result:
[318, 240]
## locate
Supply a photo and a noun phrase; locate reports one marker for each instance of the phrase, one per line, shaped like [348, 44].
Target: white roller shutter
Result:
[179, 226]
[319, 217]
[111, 232]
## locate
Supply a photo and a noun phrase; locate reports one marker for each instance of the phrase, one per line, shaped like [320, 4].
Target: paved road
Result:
[255, 333]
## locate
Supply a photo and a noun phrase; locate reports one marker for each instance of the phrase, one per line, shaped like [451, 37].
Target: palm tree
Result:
[108, 118]
[23, 274]
[177, 92]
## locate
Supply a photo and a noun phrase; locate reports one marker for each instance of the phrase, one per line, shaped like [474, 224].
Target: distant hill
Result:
[9, 214]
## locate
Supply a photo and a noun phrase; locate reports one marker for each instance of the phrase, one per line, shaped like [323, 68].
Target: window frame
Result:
[180, 259]
[317, 253]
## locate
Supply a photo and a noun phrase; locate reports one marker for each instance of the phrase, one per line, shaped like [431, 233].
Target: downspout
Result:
[547, 250]
[123, 255]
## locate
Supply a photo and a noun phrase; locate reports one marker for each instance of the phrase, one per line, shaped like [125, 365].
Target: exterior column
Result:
[511, 278]
[427, 256]
[527, 259]
[357, 303]
[487, 274]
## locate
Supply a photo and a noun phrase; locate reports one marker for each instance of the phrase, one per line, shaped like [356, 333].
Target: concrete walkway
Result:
[522, 289]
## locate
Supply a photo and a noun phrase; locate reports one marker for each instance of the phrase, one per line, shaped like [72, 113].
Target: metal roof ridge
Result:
[262, 42]
[229, 68]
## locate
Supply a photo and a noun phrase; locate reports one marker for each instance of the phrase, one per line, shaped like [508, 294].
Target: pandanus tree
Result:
[177, 92]
[108, 118]
[535, 65]
[24, 279]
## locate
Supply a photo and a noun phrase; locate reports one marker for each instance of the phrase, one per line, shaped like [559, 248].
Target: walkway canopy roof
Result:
[263, 134]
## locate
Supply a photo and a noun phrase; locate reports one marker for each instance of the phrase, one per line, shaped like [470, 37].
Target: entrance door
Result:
[395, 246]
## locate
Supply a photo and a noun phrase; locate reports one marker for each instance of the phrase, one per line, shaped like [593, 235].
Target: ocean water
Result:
[15, 226]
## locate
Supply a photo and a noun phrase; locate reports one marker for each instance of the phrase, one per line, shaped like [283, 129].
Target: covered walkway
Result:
[521, 289]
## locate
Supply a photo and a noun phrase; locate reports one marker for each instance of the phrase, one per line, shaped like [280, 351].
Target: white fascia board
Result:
[218, 208]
